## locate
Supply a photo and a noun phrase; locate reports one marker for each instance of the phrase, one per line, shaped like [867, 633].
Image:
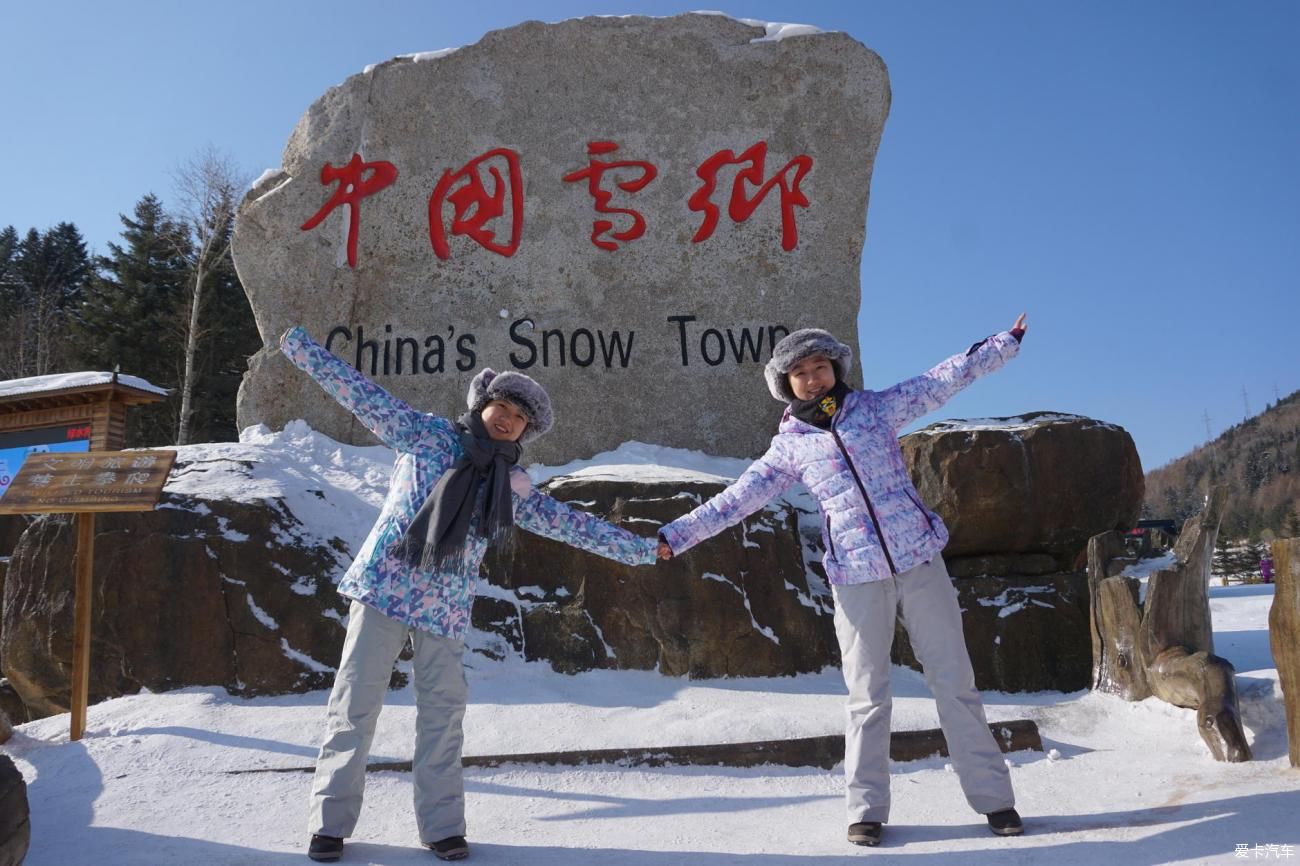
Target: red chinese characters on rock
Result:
[474, 205]
[741, 206]
[353, 185]
[593, 174]
[490, 187]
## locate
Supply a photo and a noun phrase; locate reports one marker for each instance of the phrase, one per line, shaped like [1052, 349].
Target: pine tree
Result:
[10, 294]
[1291, 526]
[127, 320]
[1223, 562]
[42, 279]
[231, 336]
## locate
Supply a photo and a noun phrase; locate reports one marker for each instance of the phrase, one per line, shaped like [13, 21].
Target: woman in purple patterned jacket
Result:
[882, 556]
[456, 489]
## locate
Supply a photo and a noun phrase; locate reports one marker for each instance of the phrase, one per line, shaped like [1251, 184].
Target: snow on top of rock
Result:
[639, 461]
[334, 490]
[425, 56]
[774, 31]
[1023, 422]
[415, 57]
[60, 381]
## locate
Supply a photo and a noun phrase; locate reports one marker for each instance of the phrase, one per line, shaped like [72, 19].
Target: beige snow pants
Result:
[864, 623]
[372, 645]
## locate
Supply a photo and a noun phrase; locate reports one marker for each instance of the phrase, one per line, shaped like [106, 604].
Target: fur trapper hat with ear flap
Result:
[519, 389]
[793, 348]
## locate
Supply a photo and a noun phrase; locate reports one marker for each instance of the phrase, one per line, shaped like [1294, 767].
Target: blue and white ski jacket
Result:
[426, 447]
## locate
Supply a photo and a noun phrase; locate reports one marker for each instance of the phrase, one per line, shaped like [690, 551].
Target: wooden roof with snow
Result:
[94, 398]
[70, 389]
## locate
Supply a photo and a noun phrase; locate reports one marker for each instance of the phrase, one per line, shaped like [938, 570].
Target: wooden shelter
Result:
[75, 401]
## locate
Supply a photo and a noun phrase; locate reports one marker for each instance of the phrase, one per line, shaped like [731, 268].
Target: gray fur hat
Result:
[517, 388]
[793, 348]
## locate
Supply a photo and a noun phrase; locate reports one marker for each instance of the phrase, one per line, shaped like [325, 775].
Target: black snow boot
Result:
[451, 848]
[865, 833]
[1006, 823]
[325, 849]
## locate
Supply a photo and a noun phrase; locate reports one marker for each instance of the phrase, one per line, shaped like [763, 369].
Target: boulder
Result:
[1040, 484]
[231, 582]
[1025, 564]
[198, 592]
[584, 238]
[741, 604]
[1284, 635]
[1024, 634]
[11, 704]
[15, 818]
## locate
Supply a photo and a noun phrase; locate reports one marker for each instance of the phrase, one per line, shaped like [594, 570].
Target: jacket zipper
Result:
[830, 539]
[871, 511]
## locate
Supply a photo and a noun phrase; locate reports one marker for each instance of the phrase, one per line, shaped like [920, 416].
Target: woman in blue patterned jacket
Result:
[456, 488]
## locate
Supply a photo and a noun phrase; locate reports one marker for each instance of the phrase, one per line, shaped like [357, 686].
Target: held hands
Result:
[664, 551]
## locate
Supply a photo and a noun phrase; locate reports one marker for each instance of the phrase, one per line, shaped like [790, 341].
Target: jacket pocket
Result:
[925, 512]
[830, 540]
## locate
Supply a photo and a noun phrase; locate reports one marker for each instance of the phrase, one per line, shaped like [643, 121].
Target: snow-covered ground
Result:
[152, 782]
[1120, 782]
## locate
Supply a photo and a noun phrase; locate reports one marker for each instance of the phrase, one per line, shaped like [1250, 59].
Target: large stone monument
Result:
[632, 210]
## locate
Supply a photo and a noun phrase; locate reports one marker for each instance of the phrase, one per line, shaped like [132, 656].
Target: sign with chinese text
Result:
[16, 445]
[90, 482]
[630, 210]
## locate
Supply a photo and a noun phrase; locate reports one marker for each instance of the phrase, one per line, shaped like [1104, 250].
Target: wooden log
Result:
[1206, 683]
[1165, 645]
[1284, 635]
[1115, 618]
[824, 752]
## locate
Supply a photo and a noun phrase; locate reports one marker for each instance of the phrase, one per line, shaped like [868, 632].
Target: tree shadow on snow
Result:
[62, 803]
[1200, 831]
[607, 806]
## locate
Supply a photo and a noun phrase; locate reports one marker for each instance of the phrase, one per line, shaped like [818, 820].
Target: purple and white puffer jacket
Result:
[874, 525]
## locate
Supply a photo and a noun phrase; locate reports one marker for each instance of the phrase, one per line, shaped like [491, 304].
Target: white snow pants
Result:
[864, 623]
[372, 645]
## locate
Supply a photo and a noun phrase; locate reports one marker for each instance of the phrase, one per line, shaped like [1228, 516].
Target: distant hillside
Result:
[1259, 459]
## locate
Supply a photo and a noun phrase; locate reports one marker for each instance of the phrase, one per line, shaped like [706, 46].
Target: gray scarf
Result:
[435, 540]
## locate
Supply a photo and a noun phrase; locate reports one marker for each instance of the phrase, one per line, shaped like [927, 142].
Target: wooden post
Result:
[81, 622]
[1284, 636]
[83, 484]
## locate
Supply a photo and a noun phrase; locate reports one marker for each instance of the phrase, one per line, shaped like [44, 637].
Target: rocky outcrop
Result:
[1042, 484]
[211, 592]
[1024, 634]
[15, 820]
[741, 604]
[484, 243]
[230, 582]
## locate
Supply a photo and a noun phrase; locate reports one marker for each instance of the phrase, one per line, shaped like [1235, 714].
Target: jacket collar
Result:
[791, 424]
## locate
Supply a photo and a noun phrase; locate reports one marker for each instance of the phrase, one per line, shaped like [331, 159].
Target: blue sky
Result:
[1128, 173]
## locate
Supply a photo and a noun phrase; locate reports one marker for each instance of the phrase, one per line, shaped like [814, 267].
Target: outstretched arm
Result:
[543, 515]
[910, 399]
[758, 485]
[395, 423]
